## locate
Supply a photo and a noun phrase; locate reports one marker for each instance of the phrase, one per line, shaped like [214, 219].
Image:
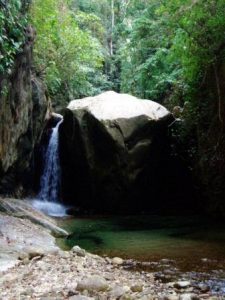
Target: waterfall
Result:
[50, 179]
[48, 200]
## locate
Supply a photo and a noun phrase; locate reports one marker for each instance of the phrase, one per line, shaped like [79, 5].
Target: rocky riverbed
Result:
[35, 268]
[78, 275]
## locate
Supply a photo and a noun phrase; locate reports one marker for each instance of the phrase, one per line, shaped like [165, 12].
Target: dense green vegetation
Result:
[153, 49]
[171, 45]
[68, 52]
[12, 26]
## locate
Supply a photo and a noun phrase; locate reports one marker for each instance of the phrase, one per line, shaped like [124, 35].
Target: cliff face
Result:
[24, 107]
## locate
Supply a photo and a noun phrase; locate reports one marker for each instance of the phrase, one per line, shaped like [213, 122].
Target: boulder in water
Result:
[111, 146]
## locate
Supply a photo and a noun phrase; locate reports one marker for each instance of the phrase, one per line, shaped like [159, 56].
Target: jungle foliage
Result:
[159, 50]
[13, 22]
[68, 51]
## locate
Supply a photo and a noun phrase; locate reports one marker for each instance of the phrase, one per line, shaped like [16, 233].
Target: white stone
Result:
[189, 297]
[80, 252]
[117, 261]
[119, 291]
[182, 284]
[79, 297]
[93, 283]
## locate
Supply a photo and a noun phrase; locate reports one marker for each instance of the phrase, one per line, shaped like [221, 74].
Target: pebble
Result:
[137, 288]
[79, 297]
[182, 284]
[189, 297]
[93, 283]
[119, 291]
[148, 297]
[171, 297]
[204, 288]
[78, 251]
[117, 261]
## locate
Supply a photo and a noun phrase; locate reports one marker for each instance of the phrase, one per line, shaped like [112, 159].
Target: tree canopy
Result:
[68, 50]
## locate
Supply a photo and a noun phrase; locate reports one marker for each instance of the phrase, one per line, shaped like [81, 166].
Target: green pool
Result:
[149, 238]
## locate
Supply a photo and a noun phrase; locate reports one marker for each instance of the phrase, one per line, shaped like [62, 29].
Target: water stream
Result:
[48, 198]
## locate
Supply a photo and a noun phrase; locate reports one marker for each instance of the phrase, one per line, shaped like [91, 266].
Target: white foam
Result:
[50, 208]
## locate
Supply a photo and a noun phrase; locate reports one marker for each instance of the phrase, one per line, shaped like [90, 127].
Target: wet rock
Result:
[93, 283]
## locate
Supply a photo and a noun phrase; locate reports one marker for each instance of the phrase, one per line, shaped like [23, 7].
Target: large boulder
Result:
[112, 147]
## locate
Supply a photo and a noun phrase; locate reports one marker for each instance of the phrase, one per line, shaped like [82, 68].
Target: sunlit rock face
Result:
[114, 106]
[24, 107]
[112, 147]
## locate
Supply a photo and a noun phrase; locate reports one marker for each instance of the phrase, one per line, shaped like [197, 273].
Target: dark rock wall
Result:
[24, 107]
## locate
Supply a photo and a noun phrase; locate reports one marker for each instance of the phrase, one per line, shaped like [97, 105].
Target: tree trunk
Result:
[112, 26]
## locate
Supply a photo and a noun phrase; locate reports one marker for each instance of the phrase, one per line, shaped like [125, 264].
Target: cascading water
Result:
[50, 180]
[48, 196]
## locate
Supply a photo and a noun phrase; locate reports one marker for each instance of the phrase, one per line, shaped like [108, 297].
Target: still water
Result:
[192, 241]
